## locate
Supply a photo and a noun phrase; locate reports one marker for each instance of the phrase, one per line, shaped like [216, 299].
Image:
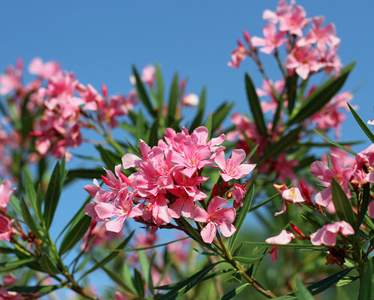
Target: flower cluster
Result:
[168, 185]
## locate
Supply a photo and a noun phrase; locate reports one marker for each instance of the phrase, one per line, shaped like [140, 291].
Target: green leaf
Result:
[248, 260]
[291, 84]
[110, 158]
[241, 215]
[281, 145]
[52, 197]
[342, 204]
[324, 284]
[140, 126]
[145, 266]
[75, 233]
[119, 280]
[142, 94]
[255, 106]
[35, 289]
[84, 173]
[302, 292]
[12, 265]
[185, 285]
[367, 282]
[138, 283]
[362, 124]
[220, 115]
[321, 96]
[198, 120]
[15, 204]
[31, 193]
[153, 135]
[150, 247]
[364, 206]
[5, 250]
[208, 125]
[48, 266]
[109, 257]
[173, 101]
[29, 220]
[334, 143]
[160, 89]
[234, 292]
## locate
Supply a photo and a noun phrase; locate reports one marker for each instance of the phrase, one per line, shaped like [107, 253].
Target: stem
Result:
[252, 281]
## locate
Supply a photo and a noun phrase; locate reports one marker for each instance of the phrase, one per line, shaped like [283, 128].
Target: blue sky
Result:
[100, 40]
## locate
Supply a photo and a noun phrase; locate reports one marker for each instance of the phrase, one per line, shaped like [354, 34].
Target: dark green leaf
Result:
[362, 124]
[139, 283]
[173, 101]
[109, 257]
[84, 173]
[255, 106]
[364, 205]
[185, 285]
[4, 250]
[160, 89]
[241, 215]
[29, 220]
[342, 204]
[198, 120]
[35, 289]
[321, 96]
[220, 115]
[248, 260]
[12, 265]
[208, 125]
[15, 204]
[31, 193]
[110, 158]
[234, 292]
[52, 197]
[119, 280]
[334, 143]
[48, 266]
[367, 282]
[281, 145]
[75, 233]
[302, 292]
[291, 84]
[153, 135]
[142, 94]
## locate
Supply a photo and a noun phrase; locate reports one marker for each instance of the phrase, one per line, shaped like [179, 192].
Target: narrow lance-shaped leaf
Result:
[29, 219]
[367, 282]
[342, 204]
[220, 115]
[109, 257]
[241, 215]
[198, 120]
[362, 124]
[75, 234]
[138, 283]
[231, 294]
[160, 89]
[173, 102]
[208, 125]
[334, 143]
[52, 197]
[364, 206]
[142, 94]
[321, 96]
[291, 84]
[31, 193]
[48, 266]
[255, 106]
[302, 292]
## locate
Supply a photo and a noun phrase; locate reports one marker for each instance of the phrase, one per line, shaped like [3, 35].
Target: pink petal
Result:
[281, 239]
[208, 233]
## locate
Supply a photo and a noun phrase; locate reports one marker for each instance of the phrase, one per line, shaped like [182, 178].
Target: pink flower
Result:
[304, 61]
[5, 228]
[328, 233]
[291, 195]
[216, 217]
[325, 175]
[283, 238]
[371, 209]
[5, 192]
[9, 279]
[46, 70]
[294, 22]
[232, 167]
[237, 56]
[272, 40]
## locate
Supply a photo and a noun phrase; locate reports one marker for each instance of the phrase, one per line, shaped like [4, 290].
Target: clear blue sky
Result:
[100, 40]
